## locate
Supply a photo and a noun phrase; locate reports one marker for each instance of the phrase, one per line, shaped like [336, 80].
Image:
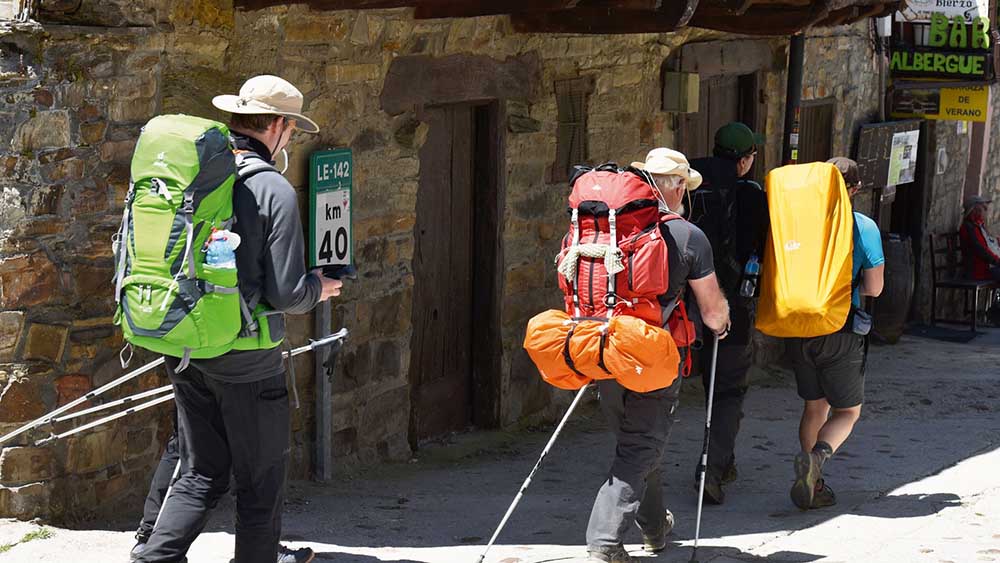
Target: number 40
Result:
[338, 244]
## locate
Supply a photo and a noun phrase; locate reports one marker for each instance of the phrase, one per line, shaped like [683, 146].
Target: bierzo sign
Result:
[921, 11]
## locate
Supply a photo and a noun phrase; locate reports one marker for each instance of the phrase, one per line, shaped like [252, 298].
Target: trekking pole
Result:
[326, 341]
[74, 403]
[703, 465]
[106, 419]
[105, 406]
[524, 486]
[170, 489]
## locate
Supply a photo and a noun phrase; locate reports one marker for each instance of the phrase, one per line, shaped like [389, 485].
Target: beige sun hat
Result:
[670, 162]
[267, 94]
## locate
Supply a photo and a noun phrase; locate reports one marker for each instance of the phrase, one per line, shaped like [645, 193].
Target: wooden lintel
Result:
[603, 21]
[326, 4]
[429, 9]
[758, 20]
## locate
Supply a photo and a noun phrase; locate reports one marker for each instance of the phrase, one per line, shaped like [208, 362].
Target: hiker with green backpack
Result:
[210, 257]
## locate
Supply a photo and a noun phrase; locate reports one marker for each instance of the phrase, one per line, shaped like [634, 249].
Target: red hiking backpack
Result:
[614, 226]
[613, 267]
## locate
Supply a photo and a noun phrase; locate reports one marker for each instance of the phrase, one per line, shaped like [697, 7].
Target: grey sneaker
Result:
[287, 555]
[658, 542]
[612, 555]
[303, 555]
[807, 474]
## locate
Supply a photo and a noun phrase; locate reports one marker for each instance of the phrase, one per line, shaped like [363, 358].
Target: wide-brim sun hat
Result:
[267, 94]
[670, 162]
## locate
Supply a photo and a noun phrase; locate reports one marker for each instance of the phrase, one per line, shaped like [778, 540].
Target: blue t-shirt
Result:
[867, 250]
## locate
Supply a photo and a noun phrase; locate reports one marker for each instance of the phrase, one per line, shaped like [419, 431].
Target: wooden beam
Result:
[326, 4]
[604, 21]
[429, 9]
[758, 20]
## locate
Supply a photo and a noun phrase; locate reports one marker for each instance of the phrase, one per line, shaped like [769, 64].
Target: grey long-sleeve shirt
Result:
[271, 265]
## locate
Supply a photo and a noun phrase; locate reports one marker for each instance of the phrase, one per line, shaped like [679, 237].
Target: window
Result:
[571, 128]
[14, 10]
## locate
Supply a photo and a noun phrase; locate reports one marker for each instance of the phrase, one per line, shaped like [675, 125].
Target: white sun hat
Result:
[267, 94]
[670, 162]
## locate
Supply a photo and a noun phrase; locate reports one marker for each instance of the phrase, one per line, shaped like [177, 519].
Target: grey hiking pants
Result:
[632, 491]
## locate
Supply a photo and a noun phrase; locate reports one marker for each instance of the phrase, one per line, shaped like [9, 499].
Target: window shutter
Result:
[571, 127]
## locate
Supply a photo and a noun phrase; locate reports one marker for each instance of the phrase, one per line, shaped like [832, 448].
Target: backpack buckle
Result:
[188, 207]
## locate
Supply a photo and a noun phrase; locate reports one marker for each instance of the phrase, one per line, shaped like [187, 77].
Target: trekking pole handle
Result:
[341, 334]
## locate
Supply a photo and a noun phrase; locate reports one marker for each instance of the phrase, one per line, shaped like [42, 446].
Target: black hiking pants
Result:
[732, 379]
[237, 428]
[159, 485]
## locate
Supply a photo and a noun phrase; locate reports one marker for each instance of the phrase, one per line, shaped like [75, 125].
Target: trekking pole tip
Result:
[481, 558]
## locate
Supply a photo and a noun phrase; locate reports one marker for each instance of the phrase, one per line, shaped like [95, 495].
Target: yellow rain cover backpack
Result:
[806, 280]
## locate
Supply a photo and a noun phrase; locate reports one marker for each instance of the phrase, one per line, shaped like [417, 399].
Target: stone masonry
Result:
[78, 86]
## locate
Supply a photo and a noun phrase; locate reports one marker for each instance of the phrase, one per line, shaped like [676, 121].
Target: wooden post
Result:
[324, 398]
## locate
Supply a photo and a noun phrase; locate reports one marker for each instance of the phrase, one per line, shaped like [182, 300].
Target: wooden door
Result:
[455, 320]
[718, 104]
[816, 131]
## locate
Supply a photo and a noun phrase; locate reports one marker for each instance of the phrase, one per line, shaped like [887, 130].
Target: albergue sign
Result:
[955, 49]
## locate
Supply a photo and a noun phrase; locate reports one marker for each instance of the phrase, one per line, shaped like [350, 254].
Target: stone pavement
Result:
[919, 481]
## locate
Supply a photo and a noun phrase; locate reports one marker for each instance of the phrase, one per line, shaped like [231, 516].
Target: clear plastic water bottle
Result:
[221, 249]
[751, 273]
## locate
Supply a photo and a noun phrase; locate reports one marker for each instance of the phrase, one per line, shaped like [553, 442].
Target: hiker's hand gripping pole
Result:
[527, 482]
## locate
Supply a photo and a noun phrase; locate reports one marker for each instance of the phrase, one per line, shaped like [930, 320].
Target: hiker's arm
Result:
[873, 280]
[288, 287]
[712, 303]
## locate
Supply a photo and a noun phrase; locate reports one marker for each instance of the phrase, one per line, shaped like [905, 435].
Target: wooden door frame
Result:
[415, 82]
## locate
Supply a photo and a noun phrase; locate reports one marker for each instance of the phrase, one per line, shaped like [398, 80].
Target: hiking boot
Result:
[713, 489]
[731, 474]
[823, 496]
[288, 555]
[139, 547]
[612, 555]
[658, 542]
[807, 474]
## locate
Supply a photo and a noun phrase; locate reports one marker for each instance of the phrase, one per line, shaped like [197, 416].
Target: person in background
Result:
[732, 211]
[980, 249]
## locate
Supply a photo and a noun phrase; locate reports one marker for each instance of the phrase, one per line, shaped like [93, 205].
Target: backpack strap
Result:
[121, 246]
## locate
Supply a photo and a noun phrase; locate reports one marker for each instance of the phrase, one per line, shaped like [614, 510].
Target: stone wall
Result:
[74, 101]
[75, 105]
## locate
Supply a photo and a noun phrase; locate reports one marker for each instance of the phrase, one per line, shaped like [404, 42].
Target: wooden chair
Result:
[948, 272]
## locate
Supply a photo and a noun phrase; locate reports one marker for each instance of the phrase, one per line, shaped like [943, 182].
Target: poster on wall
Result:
[921, 11]
[903, 158]
[955, 104]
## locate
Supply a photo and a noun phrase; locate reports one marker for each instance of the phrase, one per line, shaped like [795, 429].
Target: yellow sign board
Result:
[954, 104]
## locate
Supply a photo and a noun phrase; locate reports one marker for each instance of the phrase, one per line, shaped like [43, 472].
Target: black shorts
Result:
[829, 367]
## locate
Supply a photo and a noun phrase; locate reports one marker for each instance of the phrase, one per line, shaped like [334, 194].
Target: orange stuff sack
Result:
[642, 357]
[545, 342]
[805, 286]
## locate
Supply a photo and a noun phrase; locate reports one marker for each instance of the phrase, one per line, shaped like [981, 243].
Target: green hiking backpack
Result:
[169, 300]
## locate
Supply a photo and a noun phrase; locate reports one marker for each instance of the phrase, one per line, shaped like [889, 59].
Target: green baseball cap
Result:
[737, 139]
